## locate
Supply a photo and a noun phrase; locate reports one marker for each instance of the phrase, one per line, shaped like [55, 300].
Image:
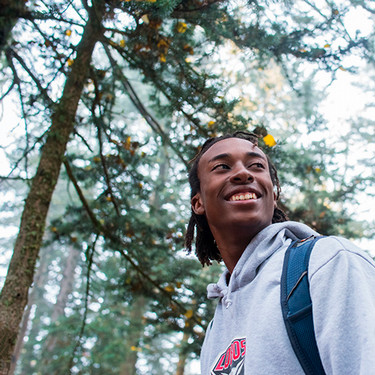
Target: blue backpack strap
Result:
[297, 307]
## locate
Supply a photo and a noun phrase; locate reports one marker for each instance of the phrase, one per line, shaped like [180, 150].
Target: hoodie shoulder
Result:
[327, 248]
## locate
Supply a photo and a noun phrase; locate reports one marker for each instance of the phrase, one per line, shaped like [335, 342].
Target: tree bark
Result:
[13, 298]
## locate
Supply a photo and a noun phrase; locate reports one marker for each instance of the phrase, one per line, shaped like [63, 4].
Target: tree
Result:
[13, 297]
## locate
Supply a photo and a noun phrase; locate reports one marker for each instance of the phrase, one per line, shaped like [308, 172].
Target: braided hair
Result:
[205, 244]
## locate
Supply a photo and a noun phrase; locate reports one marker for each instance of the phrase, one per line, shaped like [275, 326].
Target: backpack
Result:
[297, 307]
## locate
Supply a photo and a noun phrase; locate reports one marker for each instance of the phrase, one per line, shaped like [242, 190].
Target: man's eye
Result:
[220, 166]
[258, 165]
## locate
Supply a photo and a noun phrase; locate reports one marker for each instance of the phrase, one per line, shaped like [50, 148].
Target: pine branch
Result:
[96, 104]
[15, 178]
[157, 84]
[186, 13]
[155, 126]
[103, 230]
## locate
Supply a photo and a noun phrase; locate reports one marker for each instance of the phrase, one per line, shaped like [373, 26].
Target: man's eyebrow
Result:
[228, 155]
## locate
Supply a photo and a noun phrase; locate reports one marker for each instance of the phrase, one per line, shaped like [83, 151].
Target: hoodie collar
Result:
[261, 247]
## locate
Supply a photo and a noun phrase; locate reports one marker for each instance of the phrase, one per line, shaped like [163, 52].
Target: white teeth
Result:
[243, 197]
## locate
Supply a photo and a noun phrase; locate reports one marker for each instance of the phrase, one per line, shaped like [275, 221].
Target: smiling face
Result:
[236, 190]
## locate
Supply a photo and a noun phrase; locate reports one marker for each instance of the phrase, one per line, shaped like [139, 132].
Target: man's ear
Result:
[197, 204]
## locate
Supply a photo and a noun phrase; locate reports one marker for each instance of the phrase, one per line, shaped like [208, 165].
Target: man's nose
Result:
[241, 174]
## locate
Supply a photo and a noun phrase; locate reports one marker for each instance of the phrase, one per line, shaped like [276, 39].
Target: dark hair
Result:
[205, 245]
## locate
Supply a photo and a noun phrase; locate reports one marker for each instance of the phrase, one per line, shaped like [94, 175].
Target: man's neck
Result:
[231, 247]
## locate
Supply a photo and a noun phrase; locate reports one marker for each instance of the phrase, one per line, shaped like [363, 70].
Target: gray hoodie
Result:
[248, 334]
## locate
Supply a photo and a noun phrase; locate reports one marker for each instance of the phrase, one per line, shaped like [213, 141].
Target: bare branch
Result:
[9, 89]
[83, 140]
[43, 91]
[89, 258]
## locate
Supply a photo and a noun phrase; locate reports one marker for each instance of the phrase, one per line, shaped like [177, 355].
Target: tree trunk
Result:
[183, 355]
[13, 298]
[39, 282]
[66, 287]
[136, 315]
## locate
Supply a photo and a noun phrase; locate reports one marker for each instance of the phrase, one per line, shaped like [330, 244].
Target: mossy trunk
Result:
[13, 298]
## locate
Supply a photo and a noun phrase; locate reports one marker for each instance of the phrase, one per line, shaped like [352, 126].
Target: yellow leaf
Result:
[140, 185]
[109, 198]
[96, 159]
[327, 46]
[302, 50]
[189, 314]
[342, 68]
[162, 44]
[169, 288]
[68, 32]
[188, 49]
[318, 170]
[122, 43]
[70, 62]
[145, 19]
[181, 27]
[54, 229]
[269, 140]
[211, 124]
[188, 60]
[162, 58]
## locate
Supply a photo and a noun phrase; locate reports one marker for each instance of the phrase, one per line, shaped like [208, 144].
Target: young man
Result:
[235, 218]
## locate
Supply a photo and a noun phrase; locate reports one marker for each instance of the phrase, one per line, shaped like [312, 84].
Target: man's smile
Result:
[243, 196]
[242, 193]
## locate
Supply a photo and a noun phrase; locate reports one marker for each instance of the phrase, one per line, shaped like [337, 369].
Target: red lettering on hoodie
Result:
[219, 366]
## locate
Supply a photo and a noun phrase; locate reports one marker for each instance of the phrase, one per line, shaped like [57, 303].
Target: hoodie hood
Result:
[261, 247]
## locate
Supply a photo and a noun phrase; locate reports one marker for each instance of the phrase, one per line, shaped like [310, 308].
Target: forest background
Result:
[106, 102]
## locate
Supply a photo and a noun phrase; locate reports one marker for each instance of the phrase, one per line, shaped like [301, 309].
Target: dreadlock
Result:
[205, 245]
